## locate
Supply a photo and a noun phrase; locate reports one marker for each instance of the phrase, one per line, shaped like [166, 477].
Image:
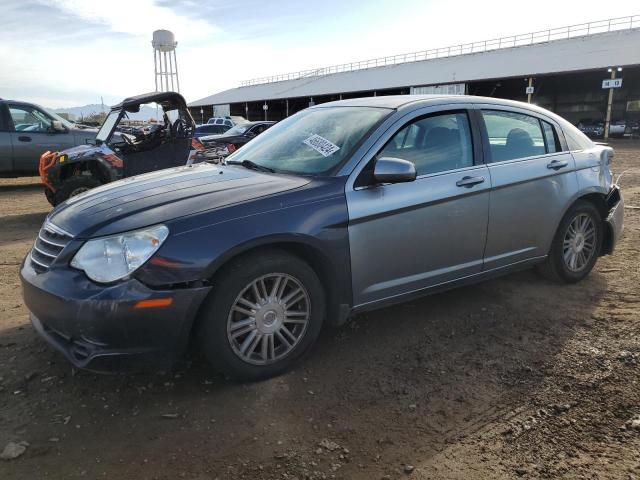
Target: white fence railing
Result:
[579, 30]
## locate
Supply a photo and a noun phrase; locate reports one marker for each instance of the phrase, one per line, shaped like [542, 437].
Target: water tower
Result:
[165, 62]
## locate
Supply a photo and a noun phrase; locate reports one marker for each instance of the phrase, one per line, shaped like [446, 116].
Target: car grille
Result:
[50, 242]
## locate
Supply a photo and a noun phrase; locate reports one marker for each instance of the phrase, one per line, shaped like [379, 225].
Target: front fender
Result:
[318, 227]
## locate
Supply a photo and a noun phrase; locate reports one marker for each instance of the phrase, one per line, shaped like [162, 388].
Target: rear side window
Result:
[433, 144]
[513, 135]
[551, 140]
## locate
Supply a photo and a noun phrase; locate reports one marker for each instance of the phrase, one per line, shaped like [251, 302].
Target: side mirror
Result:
[57, 126]
[394, 170]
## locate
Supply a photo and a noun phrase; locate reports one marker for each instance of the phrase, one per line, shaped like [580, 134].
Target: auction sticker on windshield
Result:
[321, 145]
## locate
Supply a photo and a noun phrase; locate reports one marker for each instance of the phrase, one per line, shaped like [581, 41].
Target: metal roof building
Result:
[576, 54]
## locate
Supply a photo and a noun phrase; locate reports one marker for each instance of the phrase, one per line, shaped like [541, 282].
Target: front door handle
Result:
[24, 138]
[469, 181]
[557, 164]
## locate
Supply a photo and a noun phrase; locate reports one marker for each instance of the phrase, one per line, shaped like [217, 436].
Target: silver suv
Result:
[28, 130]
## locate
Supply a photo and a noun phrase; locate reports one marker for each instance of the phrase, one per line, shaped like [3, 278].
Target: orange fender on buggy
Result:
[47, 160]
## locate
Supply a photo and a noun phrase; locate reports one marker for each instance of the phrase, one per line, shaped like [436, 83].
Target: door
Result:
[6, 147]
[533, 179]
[409, 236]
[168, 147]
[33, 135]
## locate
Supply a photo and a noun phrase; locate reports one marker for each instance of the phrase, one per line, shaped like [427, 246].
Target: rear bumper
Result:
[615, 218]
[99, 328]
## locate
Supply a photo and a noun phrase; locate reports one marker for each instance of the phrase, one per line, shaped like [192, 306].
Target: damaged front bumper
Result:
[103, 328]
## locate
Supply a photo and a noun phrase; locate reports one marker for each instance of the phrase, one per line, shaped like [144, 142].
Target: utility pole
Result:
[530, 90]
[607, 122]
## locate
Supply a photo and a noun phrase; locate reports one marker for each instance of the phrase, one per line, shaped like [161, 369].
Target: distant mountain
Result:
[76, 113]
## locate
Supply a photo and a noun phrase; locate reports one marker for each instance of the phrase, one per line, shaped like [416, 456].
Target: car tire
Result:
[227, 321]
[576, 244]
[74, 186]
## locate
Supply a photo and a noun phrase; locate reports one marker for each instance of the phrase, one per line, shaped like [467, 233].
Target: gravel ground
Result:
[512, 378]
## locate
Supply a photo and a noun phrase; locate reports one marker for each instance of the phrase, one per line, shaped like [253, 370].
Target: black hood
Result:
[81, 151]
[164, 195]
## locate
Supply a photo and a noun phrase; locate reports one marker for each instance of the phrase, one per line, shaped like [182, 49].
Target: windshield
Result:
[312, 141]
[107, 126]
[237, 130]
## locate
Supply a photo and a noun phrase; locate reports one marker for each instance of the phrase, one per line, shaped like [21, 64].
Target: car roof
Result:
[168, 101]
[398, 101]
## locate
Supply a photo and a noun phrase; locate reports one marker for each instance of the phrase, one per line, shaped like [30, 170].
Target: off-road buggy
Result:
[116, 154]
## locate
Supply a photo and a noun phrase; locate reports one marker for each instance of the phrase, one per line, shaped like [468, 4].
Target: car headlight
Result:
[112, 258]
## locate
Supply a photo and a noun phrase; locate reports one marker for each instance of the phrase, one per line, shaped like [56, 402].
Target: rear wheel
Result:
[576, 245]
[73, 186]
[265, 312]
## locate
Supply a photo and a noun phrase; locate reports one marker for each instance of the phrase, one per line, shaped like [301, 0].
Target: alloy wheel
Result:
[268, 318]
[579, 242]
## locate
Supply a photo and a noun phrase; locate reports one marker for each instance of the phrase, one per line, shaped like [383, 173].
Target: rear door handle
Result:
[557, 164]
[24, 138]
[469, 181]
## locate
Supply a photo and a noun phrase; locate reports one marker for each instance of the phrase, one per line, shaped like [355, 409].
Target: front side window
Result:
[314, 141]
[433, 144]
[29, 119]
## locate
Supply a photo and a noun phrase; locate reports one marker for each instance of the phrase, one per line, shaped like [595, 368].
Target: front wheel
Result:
[263, 315]
[73, 186]
[576, 245]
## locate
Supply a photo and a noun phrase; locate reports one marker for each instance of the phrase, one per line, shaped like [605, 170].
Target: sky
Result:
[73, 52]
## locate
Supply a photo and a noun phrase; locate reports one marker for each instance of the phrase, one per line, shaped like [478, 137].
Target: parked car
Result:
[234, 138]
[221, 121]
[341, 208]
[113, 156]
[27, 130]
[617, 128]
[229, 120]
[591, 128]
[210, 129]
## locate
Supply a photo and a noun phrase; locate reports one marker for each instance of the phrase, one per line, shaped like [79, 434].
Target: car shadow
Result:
[21, 187]
[405, 379]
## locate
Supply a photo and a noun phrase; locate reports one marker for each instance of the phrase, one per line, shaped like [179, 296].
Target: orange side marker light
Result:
[154, 303]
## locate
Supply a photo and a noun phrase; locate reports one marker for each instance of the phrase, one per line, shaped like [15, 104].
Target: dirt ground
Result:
[512, 378]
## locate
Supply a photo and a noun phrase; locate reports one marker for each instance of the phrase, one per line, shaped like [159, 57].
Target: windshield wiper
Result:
[252, 166]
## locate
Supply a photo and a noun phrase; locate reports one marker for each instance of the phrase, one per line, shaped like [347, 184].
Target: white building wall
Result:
[569, 55]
